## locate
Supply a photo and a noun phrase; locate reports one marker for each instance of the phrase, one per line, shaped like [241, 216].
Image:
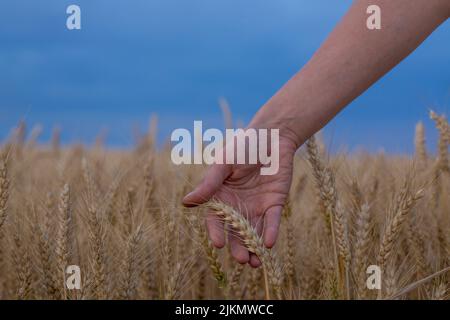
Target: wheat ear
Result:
[362, 246]
[444, 140]
[334, 218]
[49, 277]
[22, 260]
[234, 284]
[251, 240]
[405, 202]
[290, 252]
[419, 142]
[130, 267]
[63, 239]
[213, 260]
[318, 171]
[98, 255]
[4, 191]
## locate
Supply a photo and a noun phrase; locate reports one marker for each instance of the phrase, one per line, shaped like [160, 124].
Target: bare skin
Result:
[348, 63]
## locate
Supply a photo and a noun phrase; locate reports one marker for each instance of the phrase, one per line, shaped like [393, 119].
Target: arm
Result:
[350, 61]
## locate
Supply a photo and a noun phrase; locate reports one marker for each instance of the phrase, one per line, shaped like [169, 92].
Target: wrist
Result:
[283, 118]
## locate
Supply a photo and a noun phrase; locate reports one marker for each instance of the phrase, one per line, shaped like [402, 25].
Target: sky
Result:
[176, 58]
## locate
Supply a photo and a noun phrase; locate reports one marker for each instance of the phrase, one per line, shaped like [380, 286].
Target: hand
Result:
[260, 198]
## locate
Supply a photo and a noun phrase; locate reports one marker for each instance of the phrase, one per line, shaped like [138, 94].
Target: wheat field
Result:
[118, 216]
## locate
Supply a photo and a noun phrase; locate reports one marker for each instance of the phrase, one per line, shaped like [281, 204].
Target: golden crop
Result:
[118, 216]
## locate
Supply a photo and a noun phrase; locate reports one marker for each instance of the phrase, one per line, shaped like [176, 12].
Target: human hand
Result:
[260, 198]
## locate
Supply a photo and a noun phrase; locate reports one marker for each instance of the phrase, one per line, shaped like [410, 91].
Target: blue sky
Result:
[176, 58]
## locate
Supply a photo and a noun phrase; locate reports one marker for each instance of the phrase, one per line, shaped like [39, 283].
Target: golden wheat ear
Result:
[251, 240]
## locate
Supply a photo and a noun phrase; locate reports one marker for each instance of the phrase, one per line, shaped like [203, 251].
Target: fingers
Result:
[272, 219]
[215, 230]
[238, 250]
[210, 184]
[254, 262]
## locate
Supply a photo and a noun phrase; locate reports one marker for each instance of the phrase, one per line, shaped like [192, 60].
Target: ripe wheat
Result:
[118, 216]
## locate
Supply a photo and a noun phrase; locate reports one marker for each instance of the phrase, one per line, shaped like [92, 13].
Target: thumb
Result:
[213, 180]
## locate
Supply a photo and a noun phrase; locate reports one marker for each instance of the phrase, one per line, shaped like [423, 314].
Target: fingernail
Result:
[188, 195]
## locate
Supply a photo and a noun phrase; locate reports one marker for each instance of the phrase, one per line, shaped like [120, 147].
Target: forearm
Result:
[350, 61]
